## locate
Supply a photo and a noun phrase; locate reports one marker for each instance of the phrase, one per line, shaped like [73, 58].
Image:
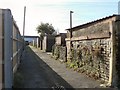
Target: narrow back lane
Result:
[75, 79]
[35, 73]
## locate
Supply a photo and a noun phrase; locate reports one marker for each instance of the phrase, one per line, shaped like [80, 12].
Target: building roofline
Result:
[60, 34]
[92, 22]
[31, 36]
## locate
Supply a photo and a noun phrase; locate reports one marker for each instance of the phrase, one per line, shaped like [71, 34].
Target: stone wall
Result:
[63, 53]
[94, 49]
[93, 57]
[118, 53]
[59, 52]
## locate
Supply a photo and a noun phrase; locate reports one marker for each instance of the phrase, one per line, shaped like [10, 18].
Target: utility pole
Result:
[24, 26]
[71, 24]
[71, 28]
[70, 32]
[119, 8]
[71, 18]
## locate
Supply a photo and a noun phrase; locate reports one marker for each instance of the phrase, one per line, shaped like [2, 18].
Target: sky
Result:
[57, 12]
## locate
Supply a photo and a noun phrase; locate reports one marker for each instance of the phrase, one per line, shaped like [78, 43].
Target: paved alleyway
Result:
[39, 70]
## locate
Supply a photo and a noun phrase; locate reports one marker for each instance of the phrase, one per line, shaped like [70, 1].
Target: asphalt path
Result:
[39, 70]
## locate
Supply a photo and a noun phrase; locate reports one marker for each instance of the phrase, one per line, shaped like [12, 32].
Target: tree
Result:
[45, 29]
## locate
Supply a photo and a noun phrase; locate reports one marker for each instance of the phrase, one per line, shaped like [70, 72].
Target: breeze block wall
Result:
[93, 49]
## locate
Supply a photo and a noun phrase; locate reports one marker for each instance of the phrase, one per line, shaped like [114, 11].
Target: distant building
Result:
[48, 42]
[60, 39]
[33, 40]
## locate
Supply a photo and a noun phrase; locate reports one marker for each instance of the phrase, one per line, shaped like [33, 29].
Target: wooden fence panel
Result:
[11, 47]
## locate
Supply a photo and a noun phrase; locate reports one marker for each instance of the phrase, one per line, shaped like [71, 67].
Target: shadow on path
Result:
[33, 72]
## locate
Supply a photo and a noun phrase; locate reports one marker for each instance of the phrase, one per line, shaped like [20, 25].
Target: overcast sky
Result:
[57, 12]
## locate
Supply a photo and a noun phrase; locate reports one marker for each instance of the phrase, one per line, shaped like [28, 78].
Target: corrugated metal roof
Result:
[92, 22]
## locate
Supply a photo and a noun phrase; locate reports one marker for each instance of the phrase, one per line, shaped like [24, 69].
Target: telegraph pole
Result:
[24, 26]
[71, 24]
[71, 29]
[119, 8]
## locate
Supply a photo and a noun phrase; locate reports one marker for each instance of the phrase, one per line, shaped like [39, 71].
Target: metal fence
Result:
[11, 47]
